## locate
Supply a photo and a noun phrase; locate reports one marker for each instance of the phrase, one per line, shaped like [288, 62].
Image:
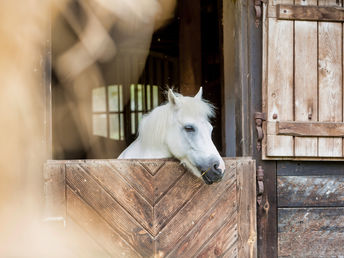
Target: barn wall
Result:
[310, 198]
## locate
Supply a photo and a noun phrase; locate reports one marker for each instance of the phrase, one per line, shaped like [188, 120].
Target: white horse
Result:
[180, 129]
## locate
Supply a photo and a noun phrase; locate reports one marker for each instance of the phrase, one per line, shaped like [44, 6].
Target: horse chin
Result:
[196, 172]
[207, 180]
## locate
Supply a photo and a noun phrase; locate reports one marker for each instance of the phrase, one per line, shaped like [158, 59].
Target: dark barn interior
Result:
[101, 106]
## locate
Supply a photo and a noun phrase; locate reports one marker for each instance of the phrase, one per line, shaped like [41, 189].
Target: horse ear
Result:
[199, 94]
[172, 98]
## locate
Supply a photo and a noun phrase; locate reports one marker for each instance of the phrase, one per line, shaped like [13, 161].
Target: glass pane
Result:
[133, 129]
[122, 127]
[155, 96]
[140, 117]
[114, 126]
[99, 125]
[139, 97]
[114, 96]
[98, 100]
[132, 97]
[148, 89]
[120, 98]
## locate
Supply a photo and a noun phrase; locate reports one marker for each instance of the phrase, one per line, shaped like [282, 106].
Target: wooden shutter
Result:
[303, 79]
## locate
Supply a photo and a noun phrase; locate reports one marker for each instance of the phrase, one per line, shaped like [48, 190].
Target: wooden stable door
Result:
[153, 208]
[303, 79]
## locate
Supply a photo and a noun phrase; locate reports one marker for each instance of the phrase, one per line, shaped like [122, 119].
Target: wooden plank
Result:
[117, 217]
[81, 244]
[165, 178]
[124, 194]
[306, 80]
[223, 244]
[309, 13]
[305, 191]
[54, 193]
[280, 83]
[137, 176]
[310, 168]
[322, 129]
[246, 197]
[311, 232]
[330, 82]
[193, 211]
[93, 225]
[186, 187]
[222, 212]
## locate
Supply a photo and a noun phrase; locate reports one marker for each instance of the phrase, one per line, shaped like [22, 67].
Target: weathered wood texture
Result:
[311, 232]
[302, 83]
[320, 129]
[309, 13]
[303, 191]
[310, 197]
[155, 208]
[54, 192]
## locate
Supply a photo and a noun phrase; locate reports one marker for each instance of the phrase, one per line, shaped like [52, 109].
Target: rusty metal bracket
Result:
[259, 117]
[260, 182]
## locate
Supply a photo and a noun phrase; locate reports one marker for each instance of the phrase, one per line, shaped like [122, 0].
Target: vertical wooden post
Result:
[190, 66]
[246, 193]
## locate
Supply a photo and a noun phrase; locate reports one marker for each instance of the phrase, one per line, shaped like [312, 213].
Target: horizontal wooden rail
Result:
[316, 129]
[310, 13]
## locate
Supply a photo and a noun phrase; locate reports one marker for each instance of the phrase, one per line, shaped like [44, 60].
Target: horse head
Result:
[188, 137]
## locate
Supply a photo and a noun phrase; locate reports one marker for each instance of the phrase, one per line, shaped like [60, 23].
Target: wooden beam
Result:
[309, 13]
[315, 129]
[190, 56]
[310, 232]
[310, 191]
[247, 224]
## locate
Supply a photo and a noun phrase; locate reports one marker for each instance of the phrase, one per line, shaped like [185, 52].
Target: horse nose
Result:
[216, 168]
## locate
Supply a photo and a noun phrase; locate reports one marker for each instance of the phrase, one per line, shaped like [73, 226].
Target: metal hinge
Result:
[259, 117]
[260, 183]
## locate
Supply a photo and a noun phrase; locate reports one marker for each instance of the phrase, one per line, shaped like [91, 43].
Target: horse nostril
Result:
[217, 170]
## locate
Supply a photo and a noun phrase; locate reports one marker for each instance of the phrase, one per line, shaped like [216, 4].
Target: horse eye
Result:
[189, 128]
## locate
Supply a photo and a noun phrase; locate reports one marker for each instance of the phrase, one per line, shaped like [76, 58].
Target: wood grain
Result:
[311, 232]
[247, 226]
[81, 244]
[322, 129]
[95, 226]
[182, 218]
[123, 193]
[223, 211]
[95, 196]
[191, 213]
[330, 82]
[309, 13]
[306, 191]
[306, 81]
[54, 193]
[280, 83]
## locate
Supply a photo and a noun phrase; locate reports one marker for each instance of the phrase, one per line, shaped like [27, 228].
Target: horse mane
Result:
[154, 125]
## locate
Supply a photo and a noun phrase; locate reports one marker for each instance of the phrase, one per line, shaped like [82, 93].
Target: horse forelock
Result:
[196, 108]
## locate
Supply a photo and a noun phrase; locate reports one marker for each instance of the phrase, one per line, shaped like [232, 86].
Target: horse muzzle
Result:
[214, 173]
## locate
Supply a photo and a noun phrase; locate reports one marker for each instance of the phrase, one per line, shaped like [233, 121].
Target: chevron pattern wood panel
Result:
[155, 208]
